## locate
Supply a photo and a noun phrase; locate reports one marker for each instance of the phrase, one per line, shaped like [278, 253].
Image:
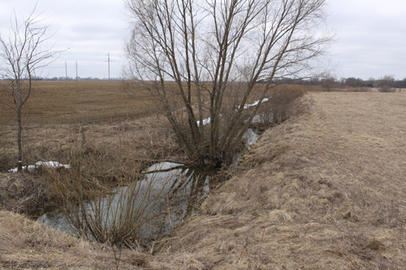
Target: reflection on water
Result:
[181, 189]
[168, 193]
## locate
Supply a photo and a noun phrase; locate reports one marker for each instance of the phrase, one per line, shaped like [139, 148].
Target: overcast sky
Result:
[369, 36]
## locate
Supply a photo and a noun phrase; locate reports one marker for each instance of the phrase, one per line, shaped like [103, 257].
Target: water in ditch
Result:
[165, 196]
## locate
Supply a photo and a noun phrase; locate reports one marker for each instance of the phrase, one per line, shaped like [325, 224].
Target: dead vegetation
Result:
[166, 49]
[323, 190]
[112, 145]
[112, 154]
[25, 244]
[112, 120]
[27, 194]
[282, 104]
[116, 132]
[110, 210]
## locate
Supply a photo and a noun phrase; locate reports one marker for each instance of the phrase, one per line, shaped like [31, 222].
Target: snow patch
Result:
[250, 137]
[39, 164]
[206, 121]
[246, 106]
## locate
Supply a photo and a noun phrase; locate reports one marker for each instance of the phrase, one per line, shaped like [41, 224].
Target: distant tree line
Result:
[326, 82]
[331, 82]
[67, 79]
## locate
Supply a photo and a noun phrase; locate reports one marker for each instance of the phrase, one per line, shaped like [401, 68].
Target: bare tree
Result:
[23, 53]
[213, 54]
[328, 82]
[386, 84]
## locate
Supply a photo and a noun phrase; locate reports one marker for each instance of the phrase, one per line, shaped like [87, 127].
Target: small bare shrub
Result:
[23, 53]
[282, 102]
[386, 84]
[7, 162]
[97, 211]
[386, 89]
[329, 84]
[114, 218]
[27, 194]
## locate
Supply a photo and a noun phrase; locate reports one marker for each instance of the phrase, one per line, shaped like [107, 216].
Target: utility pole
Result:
[108, 63]
[66, 70]
[77, 76]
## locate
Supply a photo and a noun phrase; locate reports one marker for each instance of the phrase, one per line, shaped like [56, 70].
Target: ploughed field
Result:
[112, 113]
[68, 102]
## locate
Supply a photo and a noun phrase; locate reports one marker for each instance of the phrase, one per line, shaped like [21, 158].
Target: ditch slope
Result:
[324, 190]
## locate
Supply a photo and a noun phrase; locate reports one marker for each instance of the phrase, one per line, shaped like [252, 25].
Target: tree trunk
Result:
[19, 141]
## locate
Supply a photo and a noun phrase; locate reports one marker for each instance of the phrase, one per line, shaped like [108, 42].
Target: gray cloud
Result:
[85, 31]
[369, 35]
[370, 38]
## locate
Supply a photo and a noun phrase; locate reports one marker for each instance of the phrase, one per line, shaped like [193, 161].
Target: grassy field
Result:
[324, 190]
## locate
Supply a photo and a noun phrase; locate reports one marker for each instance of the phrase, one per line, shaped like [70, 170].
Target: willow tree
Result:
[213, 56]
[23, 54]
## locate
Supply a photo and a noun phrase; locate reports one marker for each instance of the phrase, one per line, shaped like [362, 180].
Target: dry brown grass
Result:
[121, 118]
[123, 132]
[111, 153]
[282, 102]
[55, 111]
[322, 191]
[27, 194]
[25, 244]
[112, 112]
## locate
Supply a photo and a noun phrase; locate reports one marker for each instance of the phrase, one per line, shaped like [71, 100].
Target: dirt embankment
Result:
[325, 190]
